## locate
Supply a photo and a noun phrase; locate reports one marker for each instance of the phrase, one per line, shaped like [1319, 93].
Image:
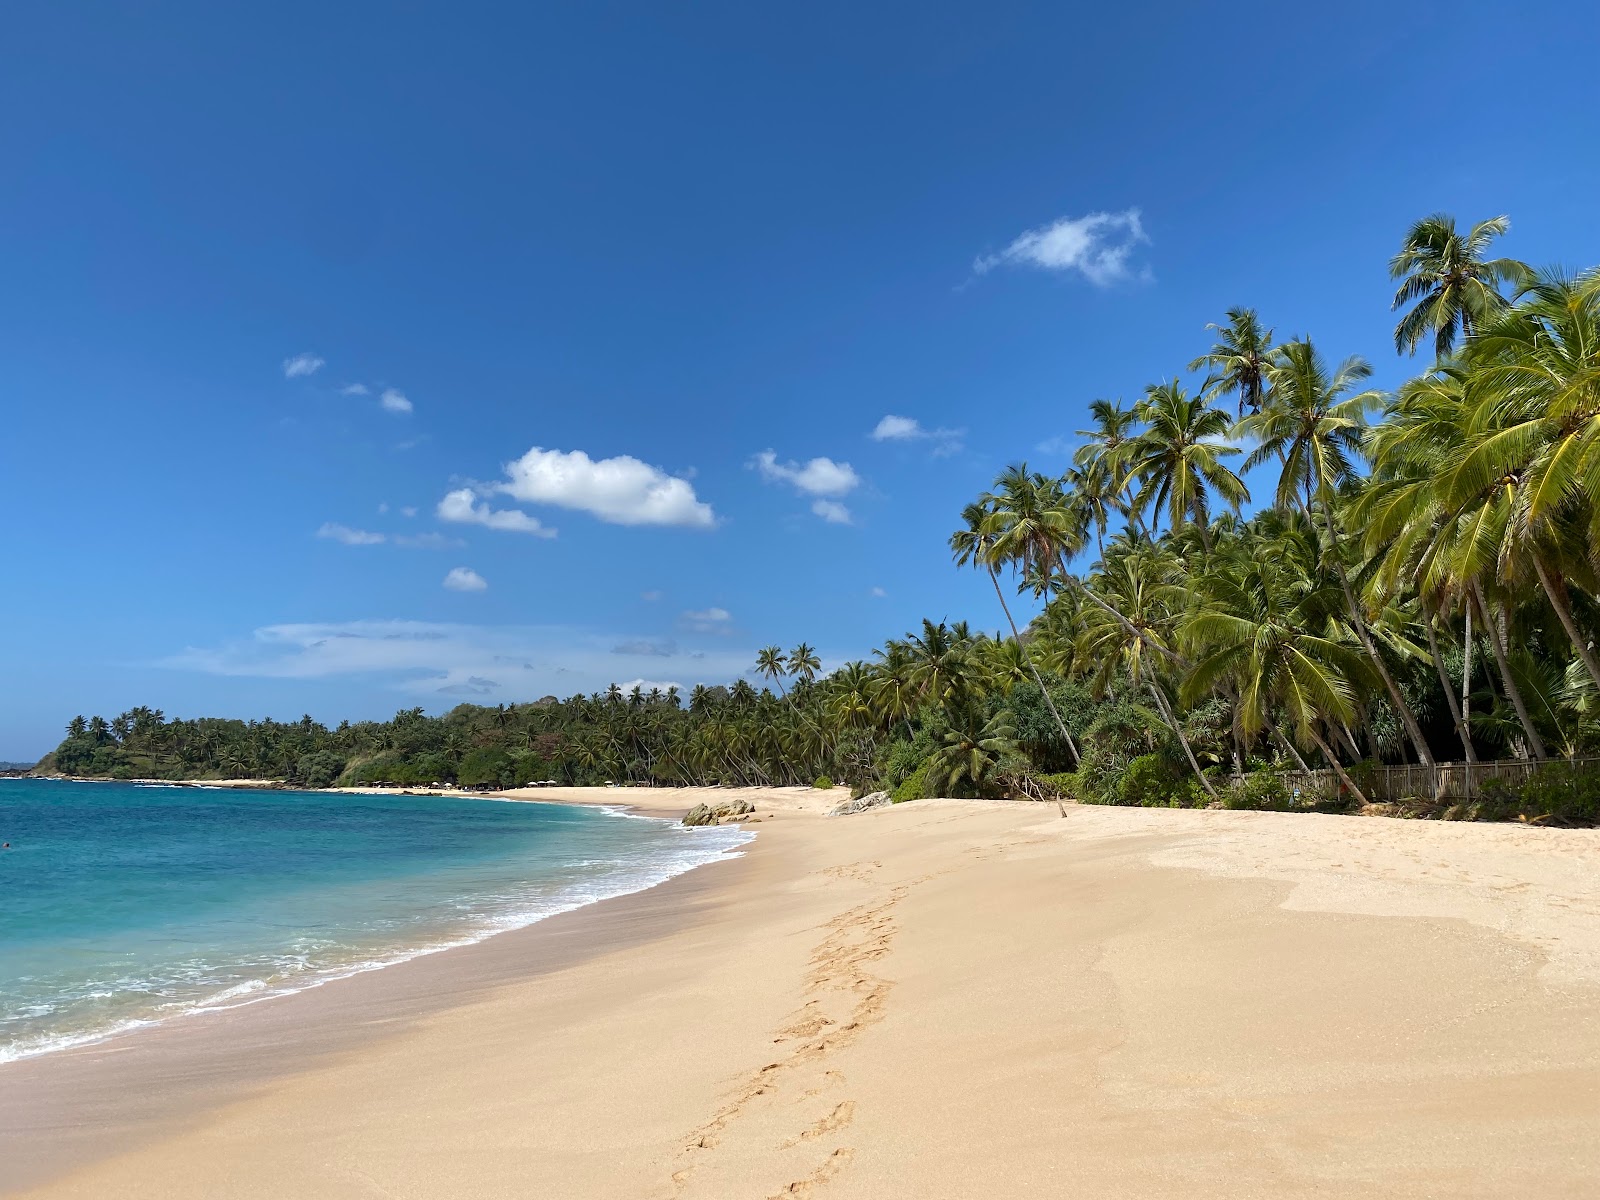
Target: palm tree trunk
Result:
[1172, 723]
[1449, 690]
[1556, 589]
[1333, 761]
[1077, 759]
[1407, 717]
[1292, 748]
[1498, 643]
[1466, 673]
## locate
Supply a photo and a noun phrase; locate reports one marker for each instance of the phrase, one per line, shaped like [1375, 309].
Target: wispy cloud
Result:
[354, 389]
[425, 658]
[708, 620]
[651, 596]
[393, 400]
[461, 506]
[646, 648]
[909, 429]
[465, 579]
[336, 532]
[301, 365]
[831, 511]
[877, 593]
[1098, 246]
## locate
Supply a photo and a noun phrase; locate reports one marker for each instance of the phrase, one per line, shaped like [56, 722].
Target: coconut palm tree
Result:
[972, 546]
[1451, 287]
[1255, 630]
[971, 751]
[1237, 361]
[1314, 422]
[772, 664]
[1177, 458]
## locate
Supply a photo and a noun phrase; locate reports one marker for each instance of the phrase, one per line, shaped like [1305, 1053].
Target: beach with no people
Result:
[947, 998]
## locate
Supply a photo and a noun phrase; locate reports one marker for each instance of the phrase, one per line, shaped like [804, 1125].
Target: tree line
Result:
[1415, 581]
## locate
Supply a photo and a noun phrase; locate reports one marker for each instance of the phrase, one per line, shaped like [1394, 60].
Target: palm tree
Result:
[1258, 632]
[1237, 362]
[1177, 457]
[1314, 425]
[971, 750]
[772, 664]
[1453, 289]
[972, 546]
[804, 663]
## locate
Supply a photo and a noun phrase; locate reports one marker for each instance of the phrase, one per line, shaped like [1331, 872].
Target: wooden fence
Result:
[1446, 781]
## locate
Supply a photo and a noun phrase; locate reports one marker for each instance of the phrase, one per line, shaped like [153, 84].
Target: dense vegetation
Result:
[1417, 582]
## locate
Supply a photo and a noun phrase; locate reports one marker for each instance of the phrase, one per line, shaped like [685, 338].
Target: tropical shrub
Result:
[823, 783]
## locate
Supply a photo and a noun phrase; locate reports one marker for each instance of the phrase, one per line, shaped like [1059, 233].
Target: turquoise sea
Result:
[126, 904]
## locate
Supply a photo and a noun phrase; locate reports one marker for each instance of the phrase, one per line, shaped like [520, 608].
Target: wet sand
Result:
[937, 999]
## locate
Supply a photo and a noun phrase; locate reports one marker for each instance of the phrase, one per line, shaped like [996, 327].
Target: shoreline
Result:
[925, 999]
[204, 1058]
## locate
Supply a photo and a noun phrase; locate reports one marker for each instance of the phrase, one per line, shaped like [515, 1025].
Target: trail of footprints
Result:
[845, 999]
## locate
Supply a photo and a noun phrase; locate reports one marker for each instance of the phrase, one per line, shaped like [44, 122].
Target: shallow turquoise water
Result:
[122, 904]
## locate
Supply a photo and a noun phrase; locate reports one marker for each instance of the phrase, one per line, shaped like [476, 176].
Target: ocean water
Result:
[127, 904]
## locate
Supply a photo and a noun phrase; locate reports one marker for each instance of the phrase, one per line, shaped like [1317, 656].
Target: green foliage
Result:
[913, 787]
[486, 767]
[1556, 794]
[318, 769]
[823, 783]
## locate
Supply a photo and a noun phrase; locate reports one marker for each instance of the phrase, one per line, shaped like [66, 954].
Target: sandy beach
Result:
[939, 999]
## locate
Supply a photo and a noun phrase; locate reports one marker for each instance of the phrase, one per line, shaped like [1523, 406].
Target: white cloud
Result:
[432, 659]
[819, 477]
[909, 429]
[621, 490]
[650, 597]
[1097, 246]
[383, 507]
[301, 365]
[393, 400]
[410, 510]
[354, 389]
[708, 620]
[459, 506]
[350, 537]
[465, 579]
[877, 593]
[831, 511]
[896, 429]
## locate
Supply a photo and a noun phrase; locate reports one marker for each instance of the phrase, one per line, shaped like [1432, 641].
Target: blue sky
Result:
[361, 356]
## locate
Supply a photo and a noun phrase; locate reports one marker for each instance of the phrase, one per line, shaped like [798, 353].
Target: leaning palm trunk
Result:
[1502, 657]
[1172, 723]
[1027, 657]
[1449, 691]
[1338, 769]
[1556, 589]
[1407, 717]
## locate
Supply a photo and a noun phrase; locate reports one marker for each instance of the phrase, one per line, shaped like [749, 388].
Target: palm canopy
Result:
[1312, 422]
[1452, 288]
[1535, 402]
[1177, 457]
[1237, 362]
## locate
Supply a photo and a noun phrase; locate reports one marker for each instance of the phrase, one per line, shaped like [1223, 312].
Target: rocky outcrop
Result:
[713, 814]
[861, 804]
